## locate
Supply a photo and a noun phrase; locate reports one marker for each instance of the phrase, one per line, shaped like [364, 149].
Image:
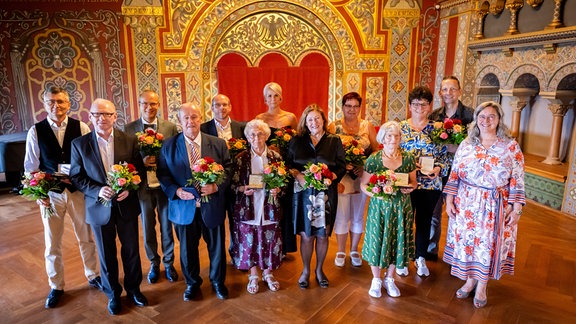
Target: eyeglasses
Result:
[417, 104]
[101, 114]
[254, 135]
[51, 103]
[351, 106]
[151, 104]
[486, 117]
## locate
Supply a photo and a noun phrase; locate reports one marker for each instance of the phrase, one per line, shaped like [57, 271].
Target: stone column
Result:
[518, 105]
[558, 110]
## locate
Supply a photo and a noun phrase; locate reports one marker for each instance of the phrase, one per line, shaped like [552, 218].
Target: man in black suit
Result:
[224, 127]
[151, 196]
[191, 218]
[48, 149]
[92, 156]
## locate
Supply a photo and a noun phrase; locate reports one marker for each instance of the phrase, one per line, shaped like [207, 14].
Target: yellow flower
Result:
[458, 128]
[281, 171]
[116, 168]
[149, 140]
[286, 137]
[136, 179]
[314, 168]
[238, 144]
[356, 151]
[438, 124]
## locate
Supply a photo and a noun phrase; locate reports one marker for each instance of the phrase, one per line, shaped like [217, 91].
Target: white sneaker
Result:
[402, 271]
[376, 288]
[422, 268]
[391, 288]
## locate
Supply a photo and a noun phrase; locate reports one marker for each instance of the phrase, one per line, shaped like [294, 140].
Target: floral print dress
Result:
[484, 180]
[389, 238]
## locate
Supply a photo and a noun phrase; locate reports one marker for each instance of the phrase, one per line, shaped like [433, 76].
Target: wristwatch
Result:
[518, 212]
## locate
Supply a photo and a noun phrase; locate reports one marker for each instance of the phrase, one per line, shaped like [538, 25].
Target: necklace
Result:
[392, 156]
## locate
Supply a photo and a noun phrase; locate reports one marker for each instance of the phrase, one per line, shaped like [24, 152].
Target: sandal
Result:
[252, 287]
[273, 284]
[356, 259]
[340, 259]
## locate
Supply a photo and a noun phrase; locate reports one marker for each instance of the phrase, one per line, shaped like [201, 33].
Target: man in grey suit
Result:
[191, 218]
[225, 127]
[92, 156]
[151, 196]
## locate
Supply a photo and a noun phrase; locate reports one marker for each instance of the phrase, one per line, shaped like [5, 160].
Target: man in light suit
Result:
[225, 127]
[151, 196]
[192, 219]
[92, 156]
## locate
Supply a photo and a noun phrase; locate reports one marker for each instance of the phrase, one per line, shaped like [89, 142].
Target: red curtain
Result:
[301, 85]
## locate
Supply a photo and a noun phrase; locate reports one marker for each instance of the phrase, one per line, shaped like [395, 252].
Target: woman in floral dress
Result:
[388, 240]
[257, 237]
[351, 202]
[485, 195]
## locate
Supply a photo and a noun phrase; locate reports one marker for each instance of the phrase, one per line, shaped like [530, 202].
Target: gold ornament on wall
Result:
[534, 3]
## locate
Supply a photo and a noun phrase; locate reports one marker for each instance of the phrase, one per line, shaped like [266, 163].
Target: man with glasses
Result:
[226, 128]
[92, 157]
[152, 198]
[453, 108]
[48, 150]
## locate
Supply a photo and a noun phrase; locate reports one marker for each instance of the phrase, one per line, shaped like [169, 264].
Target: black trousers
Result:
[423, 203]
[105, 238]
[189, 237]
[152, 200]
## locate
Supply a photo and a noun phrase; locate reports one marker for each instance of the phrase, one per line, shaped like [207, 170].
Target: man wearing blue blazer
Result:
[191, 218]
[226, 128]
[152, 198]
[92, 156]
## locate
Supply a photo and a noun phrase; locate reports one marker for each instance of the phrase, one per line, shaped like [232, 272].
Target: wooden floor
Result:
[542, 291]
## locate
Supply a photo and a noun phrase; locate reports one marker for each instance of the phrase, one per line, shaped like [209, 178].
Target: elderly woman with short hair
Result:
[257, 236]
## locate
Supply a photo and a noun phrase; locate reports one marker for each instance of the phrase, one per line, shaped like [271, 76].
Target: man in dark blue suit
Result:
[152, 198]
[191, 218]
[92, 156]
[224, 127]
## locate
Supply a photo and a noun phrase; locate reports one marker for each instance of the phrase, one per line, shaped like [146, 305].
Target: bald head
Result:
[190, 118]
[103, 116]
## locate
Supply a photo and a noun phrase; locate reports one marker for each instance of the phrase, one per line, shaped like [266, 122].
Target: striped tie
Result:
[194, 155]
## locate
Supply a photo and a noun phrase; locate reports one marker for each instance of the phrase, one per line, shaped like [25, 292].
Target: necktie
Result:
[146, 126]
[194, 155]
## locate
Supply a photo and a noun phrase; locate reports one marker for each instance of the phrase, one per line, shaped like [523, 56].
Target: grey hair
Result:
[257, 124]
[502, 131]
[385, 128]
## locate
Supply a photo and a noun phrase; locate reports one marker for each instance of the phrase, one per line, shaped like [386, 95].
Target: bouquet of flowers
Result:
[122, 176]
[275, 176]
[36, 186]
[206, 171]
[382, 184]
[354, 152]
[450, 131]
[236, 145]
[318, 176]
[150, 142]
[281, 137]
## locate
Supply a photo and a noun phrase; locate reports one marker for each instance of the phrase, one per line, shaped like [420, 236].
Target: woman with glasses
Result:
[351, 201]
[430, 159]
[257, 237]
[485, 195]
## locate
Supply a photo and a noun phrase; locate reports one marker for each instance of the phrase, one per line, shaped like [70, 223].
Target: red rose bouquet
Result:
[36, 185]
[382, 184]
[236, 145]
[281, 137]
[121, 177]
[150, 142]
[450, 131]
[318, 176]
[206, 171]
[274, 176]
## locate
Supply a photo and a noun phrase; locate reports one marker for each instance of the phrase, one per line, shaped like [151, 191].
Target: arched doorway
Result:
[303, 84]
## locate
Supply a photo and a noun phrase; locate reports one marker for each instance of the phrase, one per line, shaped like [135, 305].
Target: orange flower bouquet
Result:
[121, 177]
[36, 185]
[150, 142]
[318, 176]
[206, 171]
[274, 176]
[281, 137]
[236, 145]
[450, 131]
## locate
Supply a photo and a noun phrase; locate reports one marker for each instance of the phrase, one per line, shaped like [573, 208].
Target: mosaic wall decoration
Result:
[545, 191]
[441, 60]
[374, 99]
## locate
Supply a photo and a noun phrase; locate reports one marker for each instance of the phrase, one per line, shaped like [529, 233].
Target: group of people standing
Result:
[483, 184]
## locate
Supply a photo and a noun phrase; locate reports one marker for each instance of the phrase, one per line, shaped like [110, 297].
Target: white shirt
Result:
[257, 163]
[106, 150]
[154, 122]
[224, 132]
[32, 157]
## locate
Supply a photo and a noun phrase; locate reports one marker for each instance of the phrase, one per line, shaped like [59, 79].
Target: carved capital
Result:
[558, 109]
[518, 105]
[534, 3]
[145, 24]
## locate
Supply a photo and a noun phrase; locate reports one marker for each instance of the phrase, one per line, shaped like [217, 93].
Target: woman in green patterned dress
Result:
[388, 239]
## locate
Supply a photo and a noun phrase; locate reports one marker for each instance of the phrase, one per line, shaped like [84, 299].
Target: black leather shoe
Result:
[154, 274]
[138, 298]
[171, 273]
[114, 305]
[96, 282]
[191, 292]
[53, 298]
[221, 290]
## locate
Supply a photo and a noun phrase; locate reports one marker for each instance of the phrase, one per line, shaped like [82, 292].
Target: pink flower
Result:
[33, 182]
[318, 176]
[121, 182]
[197, 168]
[376, 189]
[388, 190]
[39, 175]
[267, 170]
[444, 136]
